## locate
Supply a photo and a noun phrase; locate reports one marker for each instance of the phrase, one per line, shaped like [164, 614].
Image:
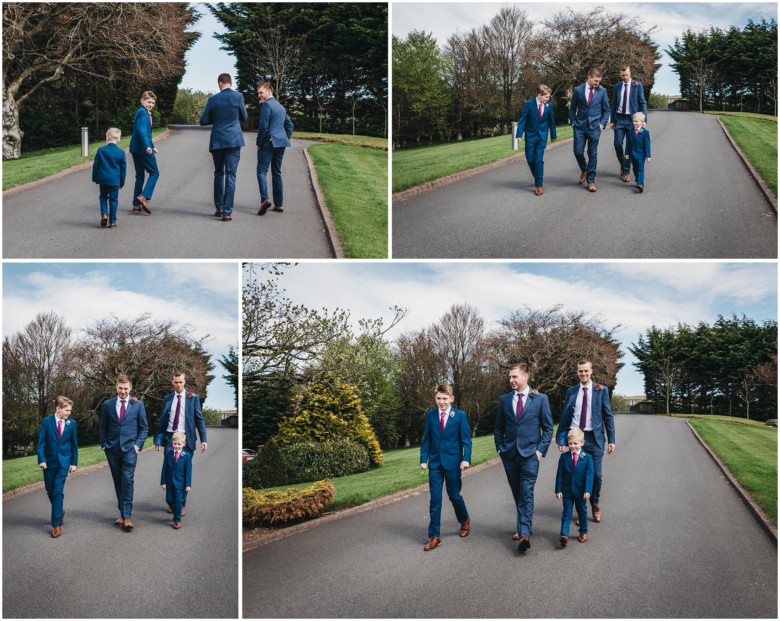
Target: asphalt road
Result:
[699, 202]
[675, 541]
[60, 218]
[97, 570]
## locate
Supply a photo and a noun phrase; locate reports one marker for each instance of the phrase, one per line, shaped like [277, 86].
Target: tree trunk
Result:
[12, 133]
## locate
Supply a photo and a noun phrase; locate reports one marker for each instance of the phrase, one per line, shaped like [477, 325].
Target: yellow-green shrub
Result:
[284, 507]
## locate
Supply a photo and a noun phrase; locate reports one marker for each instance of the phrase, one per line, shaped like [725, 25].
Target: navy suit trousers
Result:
[144, 163]
[436, 477]
[54, 481]
[534, 155]
[569, 502]
[122, 467]
[623, 125]
[597, 454]
[225, 167]
[175, 500]
[591, 137]
[521, 473]
[109, 201]
[270, 157]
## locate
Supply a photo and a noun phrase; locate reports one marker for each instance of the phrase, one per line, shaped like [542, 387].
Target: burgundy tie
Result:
[122, 411]
[176, 416]
[443, 417]
[575, 459]
[590, 97]
[176, 457]
[625, 98]
[59, 428]
[584, 412]
[519, 411]
[150, 119]
[636, 131]
[541, 107]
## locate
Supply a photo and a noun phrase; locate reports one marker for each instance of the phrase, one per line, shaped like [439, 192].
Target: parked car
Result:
[247, 454]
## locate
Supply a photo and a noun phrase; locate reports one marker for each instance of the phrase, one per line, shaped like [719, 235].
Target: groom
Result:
[522, 434]
[588, 115]
[122, 432]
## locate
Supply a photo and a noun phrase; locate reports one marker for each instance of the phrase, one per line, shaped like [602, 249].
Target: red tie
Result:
[175, 457]
[122, 411]
[584, 412]
[59, 427]
[590, 96]
[443, 416]
[575, 459]
[519, 411]
[540, 110]
[636, 131]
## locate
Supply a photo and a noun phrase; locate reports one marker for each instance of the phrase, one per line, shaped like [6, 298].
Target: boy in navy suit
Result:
[445, 452]
[639, 149]
[536, 120]
[58, 454]
[108, 170]
[273, 137]
[574, 484]
[176, 476]
[144, 153]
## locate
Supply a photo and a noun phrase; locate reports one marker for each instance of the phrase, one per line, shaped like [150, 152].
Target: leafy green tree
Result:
[229, 362]
[265, 404]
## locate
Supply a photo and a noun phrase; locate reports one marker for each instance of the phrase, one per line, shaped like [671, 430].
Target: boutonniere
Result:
[633, 82]
[452, 414]
[189, 393]
[597, 387]
[67, 422]
[133, 398]
[533, 392]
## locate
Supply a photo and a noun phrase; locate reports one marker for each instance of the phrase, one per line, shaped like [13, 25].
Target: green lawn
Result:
[23, 471]
[750, 454]
[354, 182]
[756, 135]
[414, 166]
[34, 165]
[371, 142]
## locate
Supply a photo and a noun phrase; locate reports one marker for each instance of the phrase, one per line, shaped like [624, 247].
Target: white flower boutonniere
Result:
[533, 392]
[67, 422]
[452, 414]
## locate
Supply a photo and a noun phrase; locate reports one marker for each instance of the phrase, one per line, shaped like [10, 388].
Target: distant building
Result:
[634, 400]
[228, 418]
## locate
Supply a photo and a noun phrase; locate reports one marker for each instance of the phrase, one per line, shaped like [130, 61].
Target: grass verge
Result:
[34, 165]
[417, 165]
[22, 471]
[750, 454]
[354, 182]
[371, 142]
[756, 135]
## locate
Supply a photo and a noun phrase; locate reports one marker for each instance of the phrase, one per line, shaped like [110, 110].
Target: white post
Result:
[84, 142]
[514, 140]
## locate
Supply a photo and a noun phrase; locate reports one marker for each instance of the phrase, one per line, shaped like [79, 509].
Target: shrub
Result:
[286, 507]
[268, 468]
[312, 461]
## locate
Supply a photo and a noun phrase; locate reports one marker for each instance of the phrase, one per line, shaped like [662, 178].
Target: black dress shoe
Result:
[227, 218]
[264, 207]
[524, 544]
[104, 221]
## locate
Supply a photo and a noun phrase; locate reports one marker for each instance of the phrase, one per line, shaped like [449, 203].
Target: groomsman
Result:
[536, 121]
[273, 137]
[121, 434]
[58, 455]
[627, 100]
[588, 115]
[587, 407]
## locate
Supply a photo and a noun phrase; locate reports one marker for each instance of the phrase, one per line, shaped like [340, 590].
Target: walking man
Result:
[628, 99]
[273, 137]
[588, 115]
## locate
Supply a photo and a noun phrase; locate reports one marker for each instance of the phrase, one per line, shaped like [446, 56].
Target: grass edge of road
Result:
[750, 454]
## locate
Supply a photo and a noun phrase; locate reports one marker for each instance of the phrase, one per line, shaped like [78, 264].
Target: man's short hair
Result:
[625, 68]
[445, 389]
[576, 434]
[179, 435]
[178, 373]
[582, 361]
[114, 134]
[594, 73]
[148, 95]
[543, 89]
[522, 366]
[224, 78]
[63, 402]
[123, 378]
[266, 86]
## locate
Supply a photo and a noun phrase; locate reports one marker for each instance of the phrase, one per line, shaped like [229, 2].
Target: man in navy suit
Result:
[445, 452]
[273, 137]
[522, 433]
[587, 407]
[627, 100]
[536, 120]
[144, 153]
[58, 455]
[588, 115]
[181, 411]
[121, 434]
[225, 112]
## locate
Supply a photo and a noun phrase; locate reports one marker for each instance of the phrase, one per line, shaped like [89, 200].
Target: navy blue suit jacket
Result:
[571, 481]
[141, 140]
[533, 432]
[449, 448]
[536, 128]
[639, 146]
[275, 128]
[224, 112]
[193, 418]
[584, 116]
[600, 410]
[636, 99]
[178, 475]
[56, 451]
[110, 166]
[132, 431]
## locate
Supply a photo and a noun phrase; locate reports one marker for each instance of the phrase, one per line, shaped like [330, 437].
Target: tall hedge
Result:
[267, 469]
[313, 461]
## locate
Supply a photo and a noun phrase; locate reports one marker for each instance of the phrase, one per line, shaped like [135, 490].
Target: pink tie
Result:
[575, 459]
[150, 119]
[443, 416]
[175, 457]
[636, 131]
[540, 110]
[519, 411]
[59, 428]
[122, 411]
[590, 97]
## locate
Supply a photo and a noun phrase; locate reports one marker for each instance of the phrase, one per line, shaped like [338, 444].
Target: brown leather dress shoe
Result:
[56, 531]
[564, 540]
[144, 203]
[183, 511]
[597, 514]
[119, 521]
[112, 226]
[127, 525]
[432, 543]
[465, 528]
[524, 544]
[218, 213]
[278, 209]
[624, 177]
[591, 187]
[539, 190]
[264, 207]
[227, 218]
[583, 176]
[104, 221]
[641, 188]
[515, 537]
[583, 538]
[176, 525]
[137, 208]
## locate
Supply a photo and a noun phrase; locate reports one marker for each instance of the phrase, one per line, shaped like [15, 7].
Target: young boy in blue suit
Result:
[108, 170]
[176, 476]
[574, 484]
[144, 153]
[639, 149]
[445, 452]
[58, 454]
[536, 120]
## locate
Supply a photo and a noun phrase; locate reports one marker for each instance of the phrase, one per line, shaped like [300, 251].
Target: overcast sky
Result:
[203, 295]
[634, 295]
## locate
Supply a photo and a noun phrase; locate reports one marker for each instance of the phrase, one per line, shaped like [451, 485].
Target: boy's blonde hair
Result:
[179, 435]
[148, 95]
[639, 115]
[543, 89]
[114, 134]
[576, 434]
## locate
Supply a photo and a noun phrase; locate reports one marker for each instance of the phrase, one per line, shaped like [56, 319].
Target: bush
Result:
[287, 507]
[312, 461]
[267, 469]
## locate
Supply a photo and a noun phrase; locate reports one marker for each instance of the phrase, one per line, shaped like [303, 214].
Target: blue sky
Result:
[672, 19]
[634, 295]
[205, 61]
[202, 295]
